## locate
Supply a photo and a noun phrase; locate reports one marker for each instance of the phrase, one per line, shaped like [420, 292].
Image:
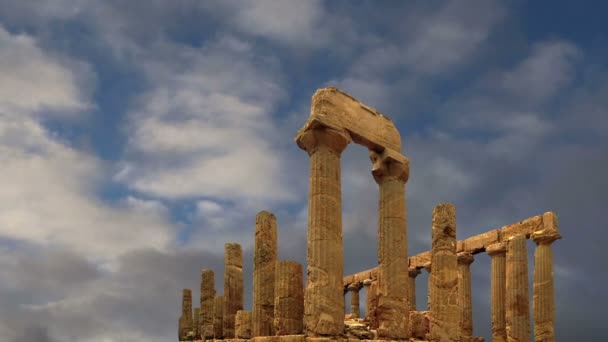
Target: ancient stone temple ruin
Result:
[283, 311]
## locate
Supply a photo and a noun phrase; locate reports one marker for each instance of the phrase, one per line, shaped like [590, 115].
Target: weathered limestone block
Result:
[233, 286]
[207, 302]
[195, 323]
[517, 301]
[419, 324]
[498, 290]
[185, 321]
[392, 311]
[289, 298]
[284, 338]
[324, 299]
[354, 329]
[354, 299]
[371, 302]
[444, 312]
[242, 324]
[544, 292]
[465, 259]
[413, 272]
[264, 259]
[218, 317]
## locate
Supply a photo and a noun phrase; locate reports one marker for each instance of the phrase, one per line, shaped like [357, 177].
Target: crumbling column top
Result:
[389, 166]
[354, 287]
[465, 258]
[545, 236]
[497, 248]
[311, 139]
[413, 272]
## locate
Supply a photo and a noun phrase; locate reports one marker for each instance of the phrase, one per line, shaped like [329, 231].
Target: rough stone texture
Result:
[218, 317]
[498, 290]
[371, 303]
[233, 286]
[544, 293]
[444, 312]
[285, 338]
[185, 324]
[464, 294]
[354, 300]
[517, 301]
[428, 268]
[356, 329]
[242, 324]
[419, 324]
[289, 298]
[265, 252]
[392, 311]
[206, 303]
[413, 272]
[196, 327]
[324, 299]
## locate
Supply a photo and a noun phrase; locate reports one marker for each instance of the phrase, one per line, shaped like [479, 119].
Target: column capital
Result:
[545, 236]
[354, 287]
[496, 249]
[311, 139]
[427, 266]
[413, 272]
[465, 258]
[386, 166]
[367, 282]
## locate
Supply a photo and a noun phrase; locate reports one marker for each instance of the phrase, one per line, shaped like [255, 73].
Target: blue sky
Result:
[137, 137]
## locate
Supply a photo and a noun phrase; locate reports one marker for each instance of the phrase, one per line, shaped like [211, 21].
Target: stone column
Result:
[206, 302]
[366, 284]
[444, 312]
[518, 305]
[412, 272]
[465, 259]
[233, 286]
[324, 299]
[427, 267]
[186, 320]
[264, 259]
[354, 299]
[498, 290]
[218, 317]
[544, 297]
[392, 312]
[289, 298]
[242, 324]
[196, 323]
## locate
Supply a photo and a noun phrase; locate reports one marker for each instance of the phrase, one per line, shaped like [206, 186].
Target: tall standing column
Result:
[444, 311]
[412, 273]
[206, 303]
[544, 293]
[465, 259]
[264, 261]
[354, 299]
[392, 311]
[186, 320]
[368, 297]
[518, 303]
[324, 298]
[497, 252]
[233, 286]
[289, 298]
[218, 317]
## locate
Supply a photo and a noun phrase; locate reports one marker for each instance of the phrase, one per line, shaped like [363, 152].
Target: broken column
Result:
[242, 324]
[264, 259]
[186, 320]
[196, 323]
[233, 286]
[412, 273]
[324, 299]
[444, 312]
[392, 312]
[517, 301]
[497, 252]
[354, 299]
[218, 317]
[544, 292]
[464, 293]
[289, 298]
[207, 302]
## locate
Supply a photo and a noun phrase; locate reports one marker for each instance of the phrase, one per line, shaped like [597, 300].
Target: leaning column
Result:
[465, 259]
[518, 305]
[354, 299]
[544, 292]
[412, 273]
[324, 298]
[264, 260]
[233, 286]
[289, 298]
[497, 252]
[206, 303]
[444, 312]
[392, 311]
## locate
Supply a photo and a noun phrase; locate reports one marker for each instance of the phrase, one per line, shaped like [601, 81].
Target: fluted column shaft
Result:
[518, 303]
[544, 292]
[218, 317]
[465, 259]
[324, 298]
[289, 298]
[368, 296]
[411, 283]
[206, 303]
[444, 311]
[354, 299]
[392, 311]
[498, 290]
[233, 286]
[264, 260]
